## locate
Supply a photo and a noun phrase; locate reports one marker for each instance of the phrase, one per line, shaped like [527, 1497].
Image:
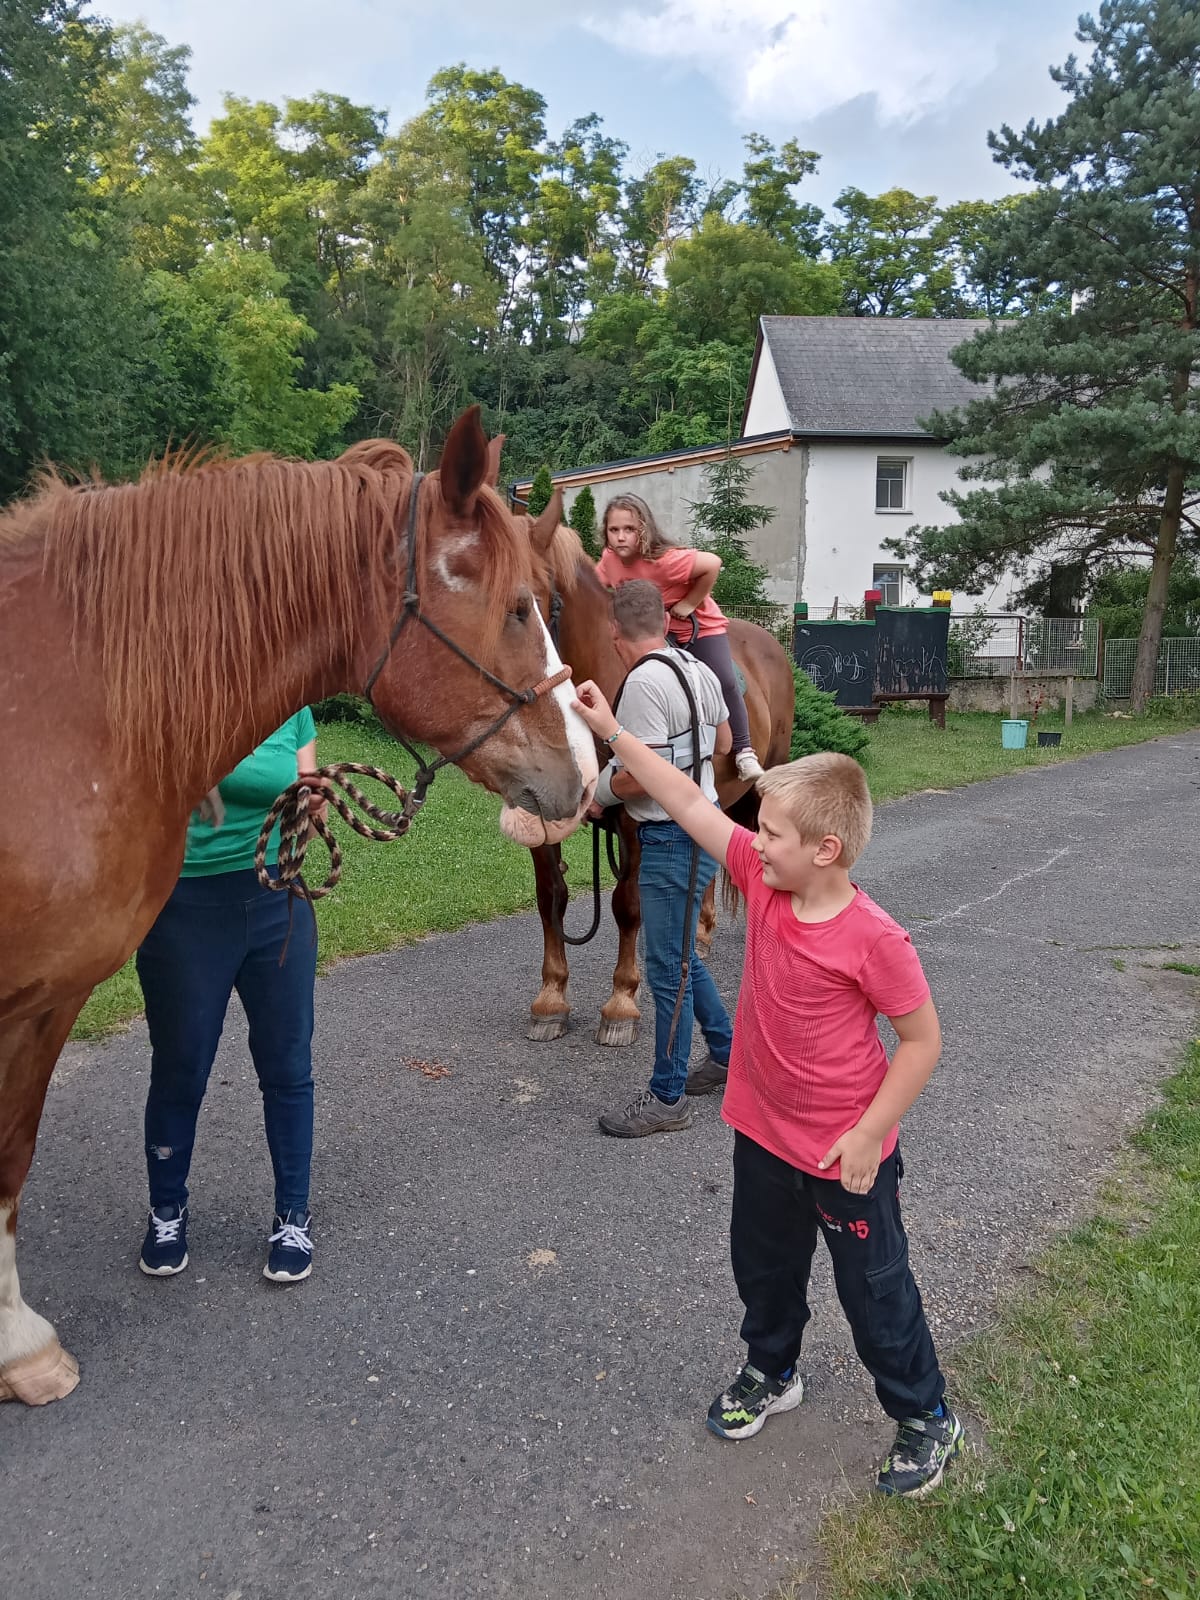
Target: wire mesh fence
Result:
[993, 645]
[1176, 672]
[981, 644]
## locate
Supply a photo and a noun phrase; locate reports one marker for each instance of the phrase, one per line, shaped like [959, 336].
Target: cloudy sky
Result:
[891, 92]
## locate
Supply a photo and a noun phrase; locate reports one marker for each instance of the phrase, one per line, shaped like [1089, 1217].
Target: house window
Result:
[889, 581]
[891, 484]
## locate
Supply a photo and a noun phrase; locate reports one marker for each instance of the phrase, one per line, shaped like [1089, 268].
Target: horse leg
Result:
[34, 1367]
[707, 924]
[550, 1010]
[619, 1015]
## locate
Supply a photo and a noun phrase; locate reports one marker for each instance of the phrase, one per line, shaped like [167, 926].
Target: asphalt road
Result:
[494, 1385]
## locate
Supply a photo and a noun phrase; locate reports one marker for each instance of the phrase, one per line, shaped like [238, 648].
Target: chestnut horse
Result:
[570, 592]
[152, 634]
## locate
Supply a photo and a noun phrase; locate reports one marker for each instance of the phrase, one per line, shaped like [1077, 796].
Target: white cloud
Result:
[781, 61]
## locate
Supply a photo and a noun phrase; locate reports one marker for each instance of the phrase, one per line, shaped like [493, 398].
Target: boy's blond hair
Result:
[824, 794]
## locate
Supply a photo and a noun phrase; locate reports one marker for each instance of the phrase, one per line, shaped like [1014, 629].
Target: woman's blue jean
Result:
[214, 935]
[667, 920]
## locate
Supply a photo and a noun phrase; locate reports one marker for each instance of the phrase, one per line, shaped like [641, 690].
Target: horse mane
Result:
[193, 580]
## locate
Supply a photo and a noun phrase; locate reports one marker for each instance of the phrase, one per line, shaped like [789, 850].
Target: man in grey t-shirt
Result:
[653, 704]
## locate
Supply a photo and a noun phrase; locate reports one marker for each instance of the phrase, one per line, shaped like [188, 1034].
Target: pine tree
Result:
[583, 520]
[720, 523]
[821, 724]
[1090, 442]
[541, 492]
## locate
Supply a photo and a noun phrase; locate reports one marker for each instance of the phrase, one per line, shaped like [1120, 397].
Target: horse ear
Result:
[495, 448]
[547, 522]
[464, 464]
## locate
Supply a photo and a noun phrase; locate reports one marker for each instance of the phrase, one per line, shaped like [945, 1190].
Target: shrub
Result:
[541, 492]
[821, 725]
[583, 520]
[346, 708]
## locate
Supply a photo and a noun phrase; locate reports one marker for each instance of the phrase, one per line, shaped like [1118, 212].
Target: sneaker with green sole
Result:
[924, 1448]
[750, 1399]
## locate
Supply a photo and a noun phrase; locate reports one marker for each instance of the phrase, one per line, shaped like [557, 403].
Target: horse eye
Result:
[521, 611]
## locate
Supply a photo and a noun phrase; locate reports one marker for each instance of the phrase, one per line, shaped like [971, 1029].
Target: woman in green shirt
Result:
[221, 931]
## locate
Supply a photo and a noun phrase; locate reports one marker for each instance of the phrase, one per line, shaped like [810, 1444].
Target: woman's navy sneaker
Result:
[291, 1248]
[164, 1249]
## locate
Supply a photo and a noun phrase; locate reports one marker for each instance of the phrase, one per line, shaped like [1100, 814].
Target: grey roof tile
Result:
[869, 375]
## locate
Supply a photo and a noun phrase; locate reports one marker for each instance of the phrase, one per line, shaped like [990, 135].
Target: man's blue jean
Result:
[216, 934]
[669, 926]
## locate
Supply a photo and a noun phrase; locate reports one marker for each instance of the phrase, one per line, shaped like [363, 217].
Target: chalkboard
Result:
[839, 657]
[911, 653]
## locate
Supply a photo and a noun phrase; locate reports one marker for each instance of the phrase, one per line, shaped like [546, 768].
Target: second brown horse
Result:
[571, 590]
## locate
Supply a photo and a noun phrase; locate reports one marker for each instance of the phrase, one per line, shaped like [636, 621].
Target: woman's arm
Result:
[706, 569]
[306, 766]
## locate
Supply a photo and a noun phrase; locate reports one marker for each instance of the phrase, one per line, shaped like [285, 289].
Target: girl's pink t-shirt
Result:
[672, 573]
[807, 1059]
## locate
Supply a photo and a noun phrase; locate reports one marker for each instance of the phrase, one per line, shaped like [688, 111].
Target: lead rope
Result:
[297, 825]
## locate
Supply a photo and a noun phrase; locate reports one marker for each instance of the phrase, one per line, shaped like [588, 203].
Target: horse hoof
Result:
[49, 1374]
[543, 1029]
[617, 1031]
[703, 946]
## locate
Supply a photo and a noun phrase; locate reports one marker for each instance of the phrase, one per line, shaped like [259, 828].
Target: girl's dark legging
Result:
[715, 653]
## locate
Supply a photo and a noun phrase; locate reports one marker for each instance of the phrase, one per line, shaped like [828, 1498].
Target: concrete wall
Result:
[992, 694]
[778, 481]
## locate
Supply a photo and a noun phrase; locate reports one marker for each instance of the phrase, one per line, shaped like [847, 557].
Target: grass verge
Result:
[908, 753]
[455, 868]
[1089, 1392]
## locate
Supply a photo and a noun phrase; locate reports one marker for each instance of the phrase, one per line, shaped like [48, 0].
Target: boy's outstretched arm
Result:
[674, 790]
[912, 1064]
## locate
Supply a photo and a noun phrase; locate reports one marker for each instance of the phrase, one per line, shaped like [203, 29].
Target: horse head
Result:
[469, 663]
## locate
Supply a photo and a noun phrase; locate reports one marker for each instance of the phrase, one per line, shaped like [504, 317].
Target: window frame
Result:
[905, 463]
[889, 567]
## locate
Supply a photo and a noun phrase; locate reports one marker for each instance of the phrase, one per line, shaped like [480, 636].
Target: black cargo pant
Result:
[777, 1211]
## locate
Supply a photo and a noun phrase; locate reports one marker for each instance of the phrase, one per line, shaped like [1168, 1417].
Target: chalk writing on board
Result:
[827, 668]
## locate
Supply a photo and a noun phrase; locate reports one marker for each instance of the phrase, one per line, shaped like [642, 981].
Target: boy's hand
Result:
[859, 1155]
[594, 709]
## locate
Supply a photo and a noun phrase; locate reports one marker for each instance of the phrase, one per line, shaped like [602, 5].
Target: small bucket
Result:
[1012, 734]
[1049, 741]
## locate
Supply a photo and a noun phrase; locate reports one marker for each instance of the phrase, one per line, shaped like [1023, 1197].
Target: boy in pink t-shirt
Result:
[812, 1097]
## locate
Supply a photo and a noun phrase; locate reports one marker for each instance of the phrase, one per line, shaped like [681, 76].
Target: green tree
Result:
[728, 274]
[423, 298]
[1089, 448]
[887, 253]
[541, 491]
[583, 520]
[72, 311]
[233, 308]
[768, 178]
[1118, 598]
[720, 523]
[493, 130]
[145, 150]
[570, 231]
[660, 208]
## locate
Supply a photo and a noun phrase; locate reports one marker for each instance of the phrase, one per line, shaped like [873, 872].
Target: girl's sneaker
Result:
[164, 1249]
[750, 1399]
[291, 1254]
[748, 765]
[924, 1448]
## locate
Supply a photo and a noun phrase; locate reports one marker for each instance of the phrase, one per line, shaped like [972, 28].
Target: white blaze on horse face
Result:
[579, 735]
[443, 562]
[22, 1331]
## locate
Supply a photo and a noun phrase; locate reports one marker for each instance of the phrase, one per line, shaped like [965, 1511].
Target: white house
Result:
[832, 428]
